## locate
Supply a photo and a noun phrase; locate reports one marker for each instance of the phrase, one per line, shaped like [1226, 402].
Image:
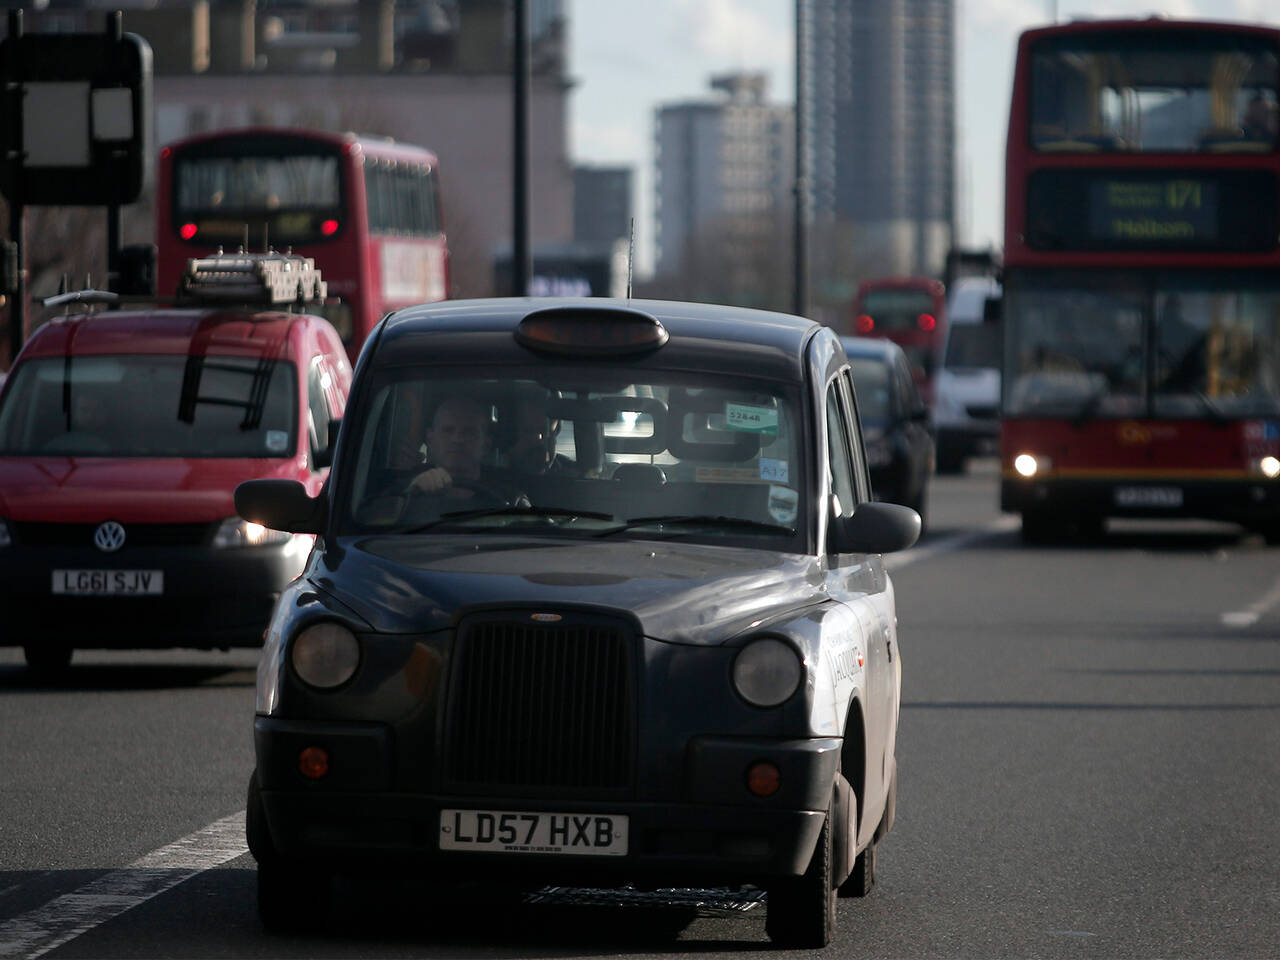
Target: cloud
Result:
[734, 34]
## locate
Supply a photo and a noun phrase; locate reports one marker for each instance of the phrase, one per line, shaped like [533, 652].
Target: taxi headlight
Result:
[766, 672]
[234, 532]
[5, 538]
[325, 654]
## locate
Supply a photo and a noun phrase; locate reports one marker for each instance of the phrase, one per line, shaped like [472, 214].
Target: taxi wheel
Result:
[863, 877]
[801, 911]
[47, 657]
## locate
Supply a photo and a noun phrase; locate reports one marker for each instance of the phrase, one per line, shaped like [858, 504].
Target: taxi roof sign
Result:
[591, 331]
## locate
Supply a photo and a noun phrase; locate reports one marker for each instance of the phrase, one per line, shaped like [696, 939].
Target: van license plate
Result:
[109, 582]
[1164, 497]
[523, 831]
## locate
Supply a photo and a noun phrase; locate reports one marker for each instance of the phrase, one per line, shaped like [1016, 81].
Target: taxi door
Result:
[859, 581]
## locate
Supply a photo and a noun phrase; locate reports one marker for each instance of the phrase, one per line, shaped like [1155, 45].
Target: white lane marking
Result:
[1253, 613]
[46, 928]
[957, 541]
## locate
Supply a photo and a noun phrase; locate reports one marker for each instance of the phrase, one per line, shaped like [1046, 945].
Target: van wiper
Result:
[701, 519]
[458, 516]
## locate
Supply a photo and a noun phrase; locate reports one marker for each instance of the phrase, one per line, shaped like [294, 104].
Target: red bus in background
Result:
[367, 210]
[910, 311]
[1141, 370]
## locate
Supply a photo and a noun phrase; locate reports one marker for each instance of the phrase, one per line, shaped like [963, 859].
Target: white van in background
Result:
[967, 398]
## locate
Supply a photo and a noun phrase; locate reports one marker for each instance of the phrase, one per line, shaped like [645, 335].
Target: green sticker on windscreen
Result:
[751, 419]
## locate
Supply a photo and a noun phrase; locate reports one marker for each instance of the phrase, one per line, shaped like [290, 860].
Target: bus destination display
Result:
[1227, 211]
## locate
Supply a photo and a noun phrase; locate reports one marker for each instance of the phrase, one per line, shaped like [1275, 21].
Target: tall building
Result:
[879, 105]
[601, 206]
[724, 174]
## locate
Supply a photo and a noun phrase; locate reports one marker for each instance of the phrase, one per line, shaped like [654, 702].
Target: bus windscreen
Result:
[1174, 92]
[296, 198]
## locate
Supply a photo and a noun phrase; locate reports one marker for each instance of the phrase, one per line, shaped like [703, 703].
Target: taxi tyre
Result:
[800, 912]
[291, 896]
[47, 658]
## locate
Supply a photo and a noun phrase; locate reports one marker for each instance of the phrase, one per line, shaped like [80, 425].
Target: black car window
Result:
[612, 446]
[839, 462]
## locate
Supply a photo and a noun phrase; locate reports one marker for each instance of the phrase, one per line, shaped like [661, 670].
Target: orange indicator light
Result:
[313, 762]
[763, 779]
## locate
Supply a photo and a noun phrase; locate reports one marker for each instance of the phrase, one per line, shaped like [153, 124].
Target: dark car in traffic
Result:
[895, 422]
[597, 598]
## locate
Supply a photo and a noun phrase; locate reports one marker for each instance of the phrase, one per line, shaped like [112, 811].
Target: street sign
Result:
[75, 124]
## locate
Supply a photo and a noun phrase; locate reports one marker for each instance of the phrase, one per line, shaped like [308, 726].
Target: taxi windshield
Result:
[639, 454]
[150, 406]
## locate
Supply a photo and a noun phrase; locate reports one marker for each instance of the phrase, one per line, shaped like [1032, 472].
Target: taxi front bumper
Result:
[714, 832]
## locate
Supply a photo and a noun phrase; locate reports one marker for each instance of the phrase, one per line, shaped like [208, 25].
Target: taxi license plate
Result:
[1166, 497]
[523, 831]
[109, 582]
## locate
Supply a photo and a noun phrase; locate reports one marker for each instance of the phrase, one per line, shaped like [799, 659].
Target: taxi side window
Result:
[839, 464]
[862, 479]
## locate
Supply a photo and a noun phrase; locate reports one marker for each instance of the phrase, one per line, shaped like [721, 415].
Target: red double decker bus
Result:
[1141, 371]
[367, 210]
[910, 311]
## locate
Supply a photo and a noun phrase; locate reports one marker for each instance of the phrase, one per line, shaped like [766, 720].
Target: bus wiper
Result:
[457, 516]
[1211, 407]
[1088, 408]
[704, 519]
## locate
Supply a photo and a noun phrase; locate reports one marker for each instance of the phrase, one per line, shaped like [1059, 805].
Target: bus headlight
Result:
[1269, 467]
[766, 672]
[1028, 466]
[325, 654]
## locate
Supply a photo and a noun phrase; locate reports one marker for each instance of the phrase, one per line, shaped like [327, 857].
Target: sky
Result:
[627, 59]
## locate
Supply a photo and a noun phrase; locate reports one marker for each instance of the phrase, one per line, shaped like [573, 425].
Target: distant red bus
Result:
[367, 210]
[910, 311]
[1141, 371]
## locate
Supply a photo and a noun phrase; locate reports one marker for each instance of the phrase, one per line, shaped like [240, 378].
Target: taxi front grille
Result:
[541, 706]
[136, 534]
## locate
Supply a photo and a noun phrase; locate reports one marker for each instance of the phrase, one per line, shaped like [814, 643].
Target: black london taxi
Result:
[596, 598]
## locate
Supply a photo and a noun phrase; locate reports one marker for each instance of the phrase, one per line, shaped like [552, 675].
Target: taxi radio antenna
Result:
[631, 254]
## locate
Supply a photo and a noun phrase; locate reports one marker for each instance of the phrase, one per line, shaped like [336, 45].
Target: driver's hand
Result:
[432, 481]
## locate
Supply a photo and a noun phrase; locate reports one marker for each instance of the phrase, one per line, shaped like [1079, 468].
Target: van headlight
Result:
[325, 654]
[234, 532]
[766, 672]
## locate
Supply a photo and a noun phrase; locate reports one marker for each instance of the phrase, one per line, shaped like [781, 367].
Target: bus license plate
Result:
[1163, 497]
[523, 831]
[109, 582]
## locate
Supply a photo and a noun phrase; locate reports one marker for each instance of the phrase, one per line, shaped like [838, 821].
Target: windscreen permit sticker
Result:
[749, 418]
[784, 504]
[775, 471]
[277, 441]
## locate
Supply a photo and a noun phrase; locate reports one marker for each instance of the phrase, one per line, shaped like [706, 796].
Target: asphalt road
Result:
[1089, 762]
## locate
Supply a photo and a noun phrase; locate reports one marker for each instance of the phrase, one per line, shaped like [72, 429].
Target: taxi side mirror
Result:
[281, 505]
[874, 527]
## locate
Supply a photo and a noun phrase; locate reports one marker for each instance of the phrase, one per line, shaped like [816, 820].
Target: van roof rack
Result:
[270, 278]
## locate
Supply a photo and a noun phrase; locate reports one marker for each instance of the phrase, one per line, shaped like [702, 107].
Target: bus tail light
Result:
[188, 231]
[328, 227]
[926, 322]
[864, 323]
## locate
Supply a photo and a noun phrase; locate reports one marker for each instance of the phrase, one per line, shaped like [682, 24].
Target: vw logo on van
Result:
[109, 537]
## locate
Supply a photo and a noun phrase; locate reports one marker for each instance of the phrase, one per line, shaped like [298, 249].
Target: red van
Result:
[123, 435]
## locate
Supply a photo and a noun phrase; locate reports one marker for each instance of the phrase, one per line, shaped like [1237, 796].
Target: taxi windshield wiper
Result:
[700, 519]
[458, 516]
